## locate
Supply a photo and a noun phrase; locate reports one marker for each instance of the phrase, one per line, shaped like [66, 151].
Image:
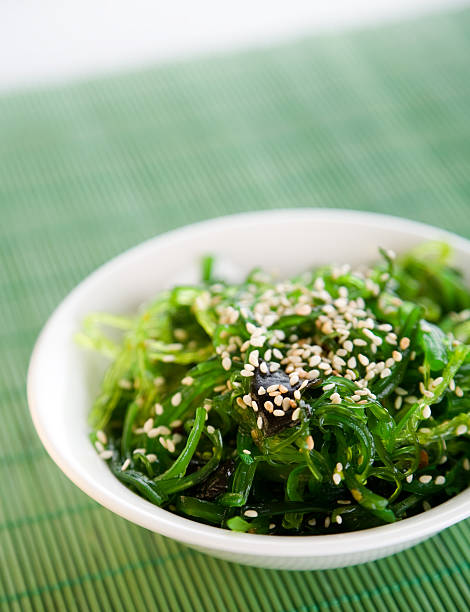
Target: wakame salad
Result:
[334, 401]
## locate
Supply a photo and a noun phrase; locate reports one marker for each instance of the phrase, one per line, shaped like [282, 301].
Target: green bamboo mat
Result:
[375, 120]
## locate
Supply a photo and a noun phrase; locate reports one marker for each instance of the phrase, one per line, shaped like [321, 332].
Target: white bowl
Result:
[63, 378]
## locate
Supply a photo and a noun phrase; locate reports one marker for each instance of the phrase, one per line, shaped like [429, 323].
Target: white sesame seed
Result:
[335, 398]
[246, 451]
[259, 422]
[176, 399]
[426, 412]
[327, 522]
[159, 381]
[386, 327]
[363, 360]
[389, 363]
[125, 384]
[263, 367]
[210, 429]
[257, 341]
[294, 379]
[170, 445]
[409, 478]
[310, 443]
[151, 458]
[341, 352]
[458, 392]
[250, 513]
[140, 451]
[240, 402]
[261, 391]
[249, 367]
[247, 373]
[312, 522]
[385, 372]
[278, 400]
[99, 447]
[404, 343]
[272, 388]
[106, 454]
[355, 397]
[466, 464]
[398, 402]
[337, 478]
[443, 459]
[125, 465]
[247, 399]
[158, 409]
[452, 384]
[102, 437]
[274, 367]
[400, 391]
[279, 413]
[461, 430]
[425, 478]
[254, 405]
[397, 356]
[148, 425]
[277, 353]
[359, 342]
[268, 406]
[328, 386]
[339, 519]
[439, 480]
[437, 381]
[158, 431]
[352, 363]
[296, 414]
[188, 380]
[226, 363]
[254, 358]
[176, 423]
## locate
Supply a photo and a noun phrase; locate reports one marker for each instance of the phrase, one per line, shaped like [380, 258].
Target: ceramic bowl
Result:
[63, 378]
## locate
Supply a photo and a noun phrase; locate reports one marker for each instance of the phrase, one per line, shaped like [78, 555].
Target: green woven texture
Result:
[376, 120]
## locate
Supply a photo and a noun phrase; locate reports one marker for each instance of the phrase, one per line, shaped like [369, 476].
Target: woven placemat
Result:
[375, 120]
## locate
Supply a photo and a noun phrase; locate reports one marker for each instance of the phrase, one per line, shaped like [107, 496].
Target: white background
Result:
[52, 40]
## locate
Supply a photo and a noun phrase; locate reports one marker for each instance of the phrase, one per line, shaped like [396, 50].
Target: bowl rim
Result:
[145, 514]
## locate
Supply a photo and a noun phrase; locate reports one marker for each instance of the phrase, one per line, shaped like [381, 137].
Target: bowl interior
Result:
[64, 378]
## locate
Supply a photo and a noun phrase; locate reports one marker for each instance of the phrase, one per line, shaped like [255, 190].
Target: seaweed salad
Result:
[333, 401]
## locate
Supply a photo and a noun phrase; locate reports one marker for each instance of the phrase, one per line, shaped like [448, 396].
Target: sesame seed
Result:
[400, 391]
[398, 402]
[385, 372]
[250, 513]
[274, 367]
[425, 478]
[240, 402]
[278, 400]
[461, 430]
[339, 467]
[210, 429]
[452, 384]
[348, 346]
[327, 522]
[310, 443]
[170, 446]
[253, 358]
[247, 400]
[99, 447]
[390, 362]
[176, 399]
[426, 506]
[277, 353]
[140, 451]
[226, 363]
[125, 384]
[328, 386]
[386, 327]
[272, 525]
[439, 480]
[442, 460]
[159, 381]
[355, 397]
[257, 341]
[102, 437]
[336, 478]
[335, 398]
[296, 414]
[125, 465]
[249, 367]
[397, 356]
[148, 425]
[158, 431]
[254, 405]
[312, 522]
[314, 361]
[409, 478]
[158, 409]
[151, 458]
[188, 380]
[466, 464]
[176, 423]
[303, 310]
[458, 392]
[426, 412]
[246, 373]
[437, 381]
[363, 360]
[259, 422]
[268, 406]
[294, 379]
[341, 352]
[279, 413]
[246, 451]
[359, 342]
[352, 363]
[339, 519]
[404, 343]
[264, 367]
[272, 388]
[106, 454]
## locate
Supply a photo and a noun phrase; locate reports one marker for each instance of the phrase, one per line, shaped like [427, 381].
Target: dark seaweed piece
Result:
[216, 484]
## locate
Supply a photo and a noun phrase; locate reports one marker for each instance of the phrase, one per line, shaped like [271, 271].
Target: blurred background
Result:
[121, 120]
